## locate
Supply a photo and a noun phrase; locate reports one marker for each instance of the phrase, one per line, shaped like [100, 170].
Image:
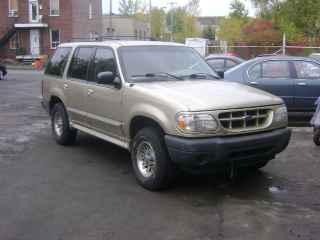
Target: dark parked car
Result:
[222, 62]
[295, 79]
[3, 71]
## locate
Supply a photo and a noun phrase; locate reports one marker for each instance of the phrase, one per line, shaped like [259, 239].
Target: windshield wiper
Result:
[161, 74]
[201, 75]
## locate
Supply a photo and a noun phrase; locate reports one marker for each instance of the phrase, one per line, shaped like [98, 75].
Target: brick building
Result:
[31, 28]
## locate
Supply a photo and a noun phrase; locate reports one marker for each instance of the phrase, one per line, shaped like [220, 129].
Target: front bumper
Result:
[246, 150]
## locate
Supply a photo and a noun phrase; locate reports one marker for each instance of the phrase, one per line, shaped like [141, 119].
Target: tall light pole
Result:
[150, 19]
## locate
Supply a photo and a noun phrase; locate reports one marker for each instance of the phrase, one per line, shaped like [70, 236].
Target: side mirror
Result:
[106, 77]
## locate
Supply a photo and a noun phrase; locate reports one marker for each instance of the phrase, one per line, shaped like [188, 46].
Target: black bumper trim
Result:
[255, 147]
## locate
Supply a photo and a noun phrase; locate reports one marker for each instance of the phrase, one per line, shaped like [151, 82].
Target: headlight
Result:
[196, 123]
[280, 115]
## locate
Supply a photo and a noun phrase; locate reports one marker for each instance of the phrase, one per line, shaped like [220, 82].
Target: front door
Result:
[276, 79]
[307, 85]
[103, 102]
[34, 42]
[76, 84]
[33, 11]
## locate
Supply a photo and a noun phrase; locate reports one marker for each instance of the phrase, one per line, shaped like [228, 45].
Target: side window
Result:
[216, 63]
[275, 69]
[58, 62]
[104, 61]
[80, 62]
[307, 70]
[255, 72]
[230, 63]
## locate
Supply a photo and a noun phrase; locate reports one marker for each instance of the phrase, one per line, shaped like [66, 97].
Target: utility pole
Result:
[110, 19]
[172, 19]
[150, 19]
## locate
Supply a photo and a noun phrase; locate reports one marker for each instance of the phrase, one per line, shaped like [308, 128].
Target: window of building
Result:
[54, 8]
[58, 62]
[15, 41]
[80, 63]
[54, 38]
[90, 10]
[13, 8]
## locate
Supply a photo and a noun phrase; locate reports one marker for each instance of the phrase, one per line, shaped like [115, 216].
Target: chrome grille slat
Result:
[243, 120]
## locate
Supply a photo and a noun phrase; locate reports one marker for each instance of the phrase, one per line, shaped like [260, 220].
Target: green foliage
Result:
[158, 18]
[129, 7]
[231, 29]
[238, 9]
[209, 33]
[182, 21]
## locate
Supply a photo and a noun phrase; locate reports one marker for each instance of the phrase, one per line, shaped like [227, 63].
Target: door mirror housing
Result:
[106, 77]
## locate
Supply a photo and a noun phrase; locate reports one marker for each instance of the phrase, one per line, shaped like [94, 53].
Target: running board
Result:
[101, 136]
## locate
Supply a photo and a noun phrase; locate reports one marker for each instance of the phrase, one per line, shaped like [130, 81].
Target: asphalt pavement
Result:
[88, 191]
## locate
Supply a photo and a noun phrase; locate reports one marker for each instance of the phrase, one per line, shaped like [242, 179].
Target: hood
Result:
[203, 95]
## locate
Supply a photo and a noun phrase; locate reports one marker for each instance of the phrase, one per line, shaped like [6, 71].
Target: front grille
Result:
[243, 120]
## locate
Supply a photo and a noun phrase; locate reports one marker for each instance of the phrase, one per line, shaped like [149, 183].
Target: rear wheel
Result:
[316, 136]
[151, 163]
[61, 130]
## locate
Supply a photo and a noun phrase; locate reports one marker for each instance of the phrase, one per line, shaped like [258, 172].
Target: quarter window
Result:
[80, 63]
[104, 61]
[58, 62]
[275, 69]
[307, 70]
[13, 8]
[255, 72]
[54, 8]
[55, 38]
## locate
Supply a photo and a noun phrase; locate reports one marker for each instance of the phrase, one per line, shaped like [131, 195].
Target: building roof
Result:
[121, 43]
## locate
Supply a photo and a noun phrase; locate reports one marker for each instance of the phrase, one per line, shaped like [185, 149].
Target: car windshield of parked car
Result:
[163, 63]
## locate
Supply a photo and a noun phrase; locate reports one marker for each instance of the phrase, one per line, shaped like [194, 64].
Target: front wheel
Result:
[61, 130]
[316, 136]
[151, 163]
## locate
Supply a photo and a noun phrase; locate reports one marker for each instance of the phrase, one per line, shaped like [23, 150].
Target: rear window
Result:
[58, 62]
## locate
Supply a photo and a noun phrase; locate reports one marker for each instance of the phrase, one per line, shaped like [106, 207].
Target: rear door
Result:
[76, 82]
[103, 101]
[307, 85]
[274, 76]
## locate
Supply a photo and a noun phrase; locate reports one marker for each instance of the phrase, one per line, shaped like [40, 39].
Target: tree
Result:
[230, 29]
[208, 33]
[129, 7]
[158, 18]
[238, 9]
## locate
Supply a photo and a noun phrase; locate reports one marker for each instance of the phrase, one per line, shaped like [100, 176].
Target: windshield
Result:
[163, 63]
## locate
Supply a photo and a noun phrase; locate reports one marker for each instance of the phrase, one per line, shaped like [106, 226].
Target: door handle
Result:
[302, 84]
[65, 86]
[90, 92]
[254, 83]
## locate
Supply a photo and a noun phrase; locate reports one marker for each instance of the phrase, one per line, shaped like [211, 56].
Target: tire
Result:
[316, 136]
[61, 130]
[154, 169]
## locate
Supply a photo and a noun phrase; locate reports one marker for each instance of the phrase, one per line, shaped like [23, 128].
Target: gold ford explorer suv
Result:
[164, 104]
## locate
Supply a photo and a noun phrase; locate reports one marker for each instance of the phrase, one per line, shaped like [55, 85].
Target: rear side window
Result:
[58, 62]
[275, 69]
[307, 70]
[230, 63]
[80, 62]
[216, 63]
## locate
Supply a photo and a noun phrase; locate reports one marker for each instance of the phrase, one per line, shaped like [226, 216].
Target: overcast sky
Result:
[208, 7]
